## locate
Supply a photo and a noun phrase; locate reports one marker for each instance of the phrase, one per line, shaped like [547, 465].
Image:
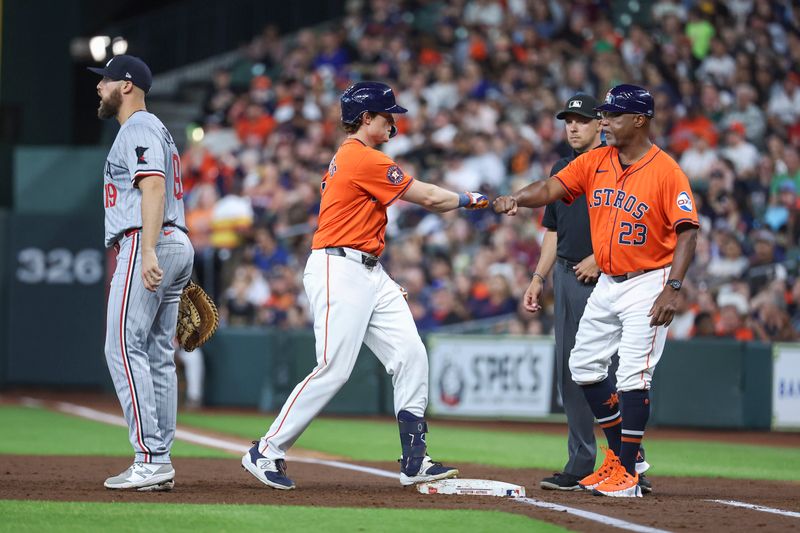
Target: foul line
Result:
[754, 507]
[603, 519]
[213, 442]
[229, 446]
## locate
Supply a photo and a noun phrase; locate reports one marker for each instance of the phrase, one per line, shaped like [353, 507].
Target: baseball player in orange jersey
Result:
[353, 299]
[644, 230]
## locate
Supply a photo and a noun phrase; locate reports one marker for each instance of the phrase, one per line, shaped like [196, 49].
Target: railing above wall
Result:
[182, 33]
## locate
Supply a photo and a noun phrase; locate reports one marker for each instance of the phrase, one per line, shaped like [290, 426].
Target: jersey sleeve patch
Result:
[140, 159]
[394, 174]
[684, 202]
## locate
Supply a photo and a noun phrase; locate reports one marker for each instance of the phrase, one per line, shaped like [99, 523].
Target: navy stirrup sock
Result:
[635, 413]
[604, 402]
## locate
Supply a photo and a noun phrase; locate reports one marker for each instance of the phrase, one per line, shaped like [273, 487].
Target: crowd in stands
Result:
[483, 80]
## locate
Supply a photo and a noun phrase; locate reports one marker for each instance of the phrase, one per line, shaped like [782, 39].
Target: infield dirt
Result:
[676, 503]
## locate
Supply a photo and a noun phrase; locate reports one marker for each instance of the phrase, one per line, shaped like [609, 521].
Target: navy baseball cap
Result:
[630, 99]
[128, 68]
[580, 104]
[371, 96]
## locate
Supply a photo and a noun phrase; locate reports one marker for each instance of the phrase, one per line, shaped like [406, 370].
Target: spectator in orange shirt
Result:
[255, 125]
[199, 217]
[283, 297]
[695, 124]
[207, 265]
[198, 166]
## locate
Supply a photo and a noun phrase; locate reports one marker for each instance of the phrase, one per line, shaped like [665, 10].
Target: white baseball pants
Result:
[352, 303]
[615, 320]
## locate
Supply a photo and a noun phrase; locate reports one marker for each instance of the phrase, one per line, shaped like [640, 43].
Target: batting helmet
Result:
[628, 99]
[369, 96]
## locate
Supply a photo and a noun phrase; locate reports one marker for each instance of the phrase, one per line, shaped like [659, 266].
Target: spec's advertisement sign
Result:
[786, 386]
[490, 376]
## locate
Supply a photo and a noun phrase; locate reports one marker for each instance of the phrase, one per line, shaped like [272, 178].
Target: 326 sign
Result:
[59, 266]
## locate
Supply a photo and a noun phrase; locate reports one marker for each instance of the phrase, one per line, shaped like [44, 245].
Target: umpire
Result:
[567, 245]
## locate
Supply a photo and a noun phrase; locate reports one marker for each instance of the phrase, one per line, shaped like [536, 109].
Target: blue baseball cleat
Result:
[428, 471]
[269, 472]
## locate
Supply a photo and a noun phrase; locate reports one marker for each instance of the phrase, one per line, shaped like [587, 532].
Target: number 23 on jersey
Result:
[632, 233]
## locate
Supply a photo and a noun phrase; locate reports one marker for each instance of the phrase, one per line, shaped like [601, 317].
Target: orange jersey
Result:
[632, 213]
[360, 184]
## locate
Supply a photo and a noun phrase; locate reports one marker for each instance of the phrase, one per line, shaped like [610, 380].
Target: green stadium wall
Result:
[56, 180]
[715, 383]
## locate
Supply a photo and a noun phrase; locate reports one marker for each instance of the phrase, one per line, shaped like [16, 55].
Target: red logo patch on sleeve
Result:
[140, 150]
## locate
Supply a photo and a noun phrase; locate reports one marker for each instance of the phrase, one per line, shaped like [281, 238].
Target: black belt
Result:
[368, 260]
[566, 262]
[631, 275]
[570, 266]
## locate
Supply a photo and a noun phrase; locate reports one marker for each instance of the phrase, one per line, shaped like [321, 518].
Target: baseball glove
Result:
[198, 317]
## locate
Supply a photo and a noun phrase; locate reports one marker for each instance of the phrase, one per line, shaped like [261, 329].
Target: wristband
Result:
[464, 199]
[536, 274]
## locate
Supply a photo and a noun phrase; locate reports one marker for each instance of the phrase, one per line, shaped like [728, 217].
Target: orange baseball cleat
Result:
[603, 473]
[620, 485]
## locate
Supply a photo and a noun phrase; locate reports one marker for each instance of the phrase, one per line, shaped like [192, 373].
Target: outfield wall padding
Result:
[5, 260]
[260, 367]
[715, 383]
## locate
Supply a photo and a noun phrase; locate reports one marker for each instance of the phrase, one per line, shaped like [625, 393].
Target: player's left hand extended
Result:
[151, 272]
[587, 270]
[664, 307]
[477, 201]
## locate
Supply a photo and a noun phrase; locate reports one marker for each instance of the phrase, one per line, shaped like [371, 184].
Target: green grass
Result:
[35, 431]
[371, 440]
[22, 516]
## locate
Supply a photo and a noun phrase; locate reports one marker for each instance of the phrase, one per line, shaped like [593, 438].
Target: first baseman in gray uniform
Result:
[144, 222]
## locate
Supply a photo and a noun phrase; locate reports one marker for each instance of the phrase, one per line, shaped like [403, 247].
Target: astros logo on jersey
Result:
[622, 200]
[394, 174]
[612, 401]
[331, 171]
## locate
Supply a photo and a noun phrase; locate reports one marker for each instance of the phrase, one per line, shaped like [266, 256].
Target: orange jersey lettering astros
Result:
[360, 184]
[633, 213]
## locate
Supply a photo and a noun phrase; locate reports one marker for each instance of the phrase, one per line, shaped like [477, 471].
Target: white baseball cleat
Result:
[144, 477]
